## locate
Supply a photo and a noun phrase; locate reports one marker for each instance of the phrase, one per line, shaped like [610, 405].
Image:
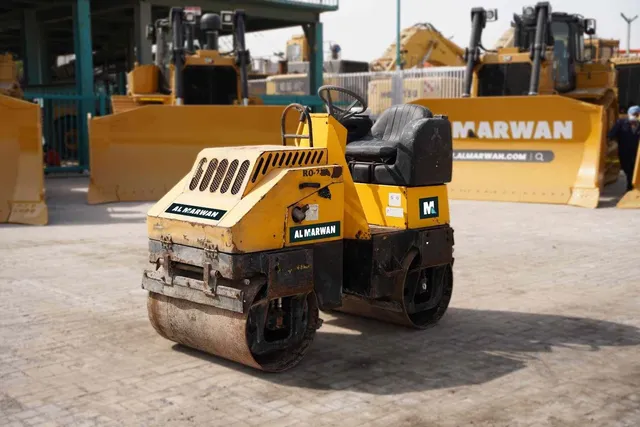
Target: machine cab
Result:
[197, 73]
[565, 36]
[544, 57]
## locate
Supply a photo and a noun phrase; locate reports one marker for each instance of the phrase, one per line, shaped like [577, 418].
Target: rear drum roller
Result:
[421, 296]
[272, 336]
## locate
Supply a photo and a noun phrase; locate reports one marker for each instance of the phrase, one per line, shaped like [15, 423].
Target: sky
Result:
[364, 31]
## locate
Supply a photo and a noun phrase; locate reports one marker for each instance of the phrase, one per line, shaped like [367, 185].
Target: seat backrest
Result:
[392, 121]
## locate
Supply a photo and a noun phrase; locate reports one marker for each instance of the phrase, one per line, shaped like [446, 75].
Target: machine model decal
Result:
[196, 211]
[526, 130]
[428, 207]
[314, 231]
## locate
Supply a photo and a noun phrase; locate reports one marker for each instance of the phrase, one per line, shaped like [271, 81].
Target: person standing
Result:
[627, 133]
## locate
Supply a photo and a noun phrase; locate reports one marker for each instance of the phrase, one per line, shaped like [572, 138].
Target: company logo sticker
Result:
[196, 211]
[429, 207]
[525, 130]
[315, 231]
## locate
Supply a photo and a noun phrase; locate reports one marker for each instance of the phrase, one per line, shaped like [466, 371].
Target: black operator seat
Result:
[407, 146]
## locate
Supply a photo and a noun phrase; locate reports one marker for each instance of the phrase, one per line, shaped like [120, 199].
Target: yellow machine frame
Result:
[253, 235]
[364, 204]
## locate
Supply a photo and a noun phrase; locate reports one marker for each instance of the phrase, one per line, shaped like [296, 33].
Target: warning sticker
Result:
[395, 212]
[395, 199]
[312, 213]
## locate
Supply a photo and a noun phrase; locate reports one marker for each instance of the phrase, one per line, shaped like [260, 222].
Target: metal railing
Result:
[381, 90]
[323, 4]
[64, 128]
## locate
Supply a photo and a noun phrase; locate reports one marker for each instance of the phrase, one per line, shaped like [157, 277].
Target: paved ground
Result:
[544, 330]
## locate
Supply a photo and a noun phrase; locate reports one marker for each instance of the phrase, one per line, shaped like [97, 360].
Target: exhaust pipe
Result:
[160, 41]
[242, 54]
[160, 56]
[178, 54]
[542, 12]
[472, 53]
[189, 30]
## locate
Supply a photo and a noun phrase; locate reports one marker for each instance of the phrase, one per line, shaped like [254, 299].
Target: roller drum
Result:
[420, 298]
[229, 334]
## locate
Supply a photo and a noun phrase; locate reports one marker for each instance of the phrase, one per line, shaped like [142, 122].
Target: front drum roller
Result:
[272, 336]
[420, 298]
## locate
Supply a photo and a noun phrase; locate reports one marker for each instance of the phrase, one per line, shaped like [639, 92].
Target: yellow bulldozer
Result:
[187, 100]
[22, 192]
[627, 67]
[254, 241]
[531, 125]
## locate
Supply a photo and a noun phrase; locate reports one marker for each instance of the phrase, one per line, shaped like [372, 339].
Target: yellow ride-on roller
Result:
[254, 241]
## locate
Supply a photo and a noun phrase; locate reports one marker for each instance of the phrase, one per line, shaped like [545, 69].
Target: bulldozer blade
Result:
[140, 154]
[536, 149]
[22, 193]
[631, 199]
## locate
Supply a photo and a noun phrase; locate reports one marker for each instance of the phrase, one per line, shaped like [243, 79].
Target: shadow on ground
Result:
[67, 202]
[468, 347]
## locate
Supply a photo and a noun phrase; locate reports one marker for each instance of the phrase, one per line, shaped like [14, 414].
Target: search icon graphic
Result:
[522, 156]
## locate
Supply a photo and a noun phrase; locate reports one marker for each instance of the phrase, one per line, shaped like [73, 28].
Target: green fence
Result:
[65, 136]
[312, 101]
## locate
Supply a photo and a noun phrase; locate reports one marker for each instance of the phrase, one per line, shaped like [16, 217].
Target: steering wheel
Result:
[304, 117]
[337, 112]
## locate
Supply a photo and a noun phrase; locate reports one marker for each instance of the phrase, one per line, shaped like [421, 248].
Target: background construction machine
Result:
[22, 193]
[292, 77]
[626, 65]
[628, 68]
[421, 45]
[186, 75]
[187, 101]
[251, 243]
[532, 123]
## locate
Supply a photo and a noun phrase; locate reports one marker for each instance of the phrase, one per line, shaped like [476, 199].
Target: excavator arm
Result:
[420, 44]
